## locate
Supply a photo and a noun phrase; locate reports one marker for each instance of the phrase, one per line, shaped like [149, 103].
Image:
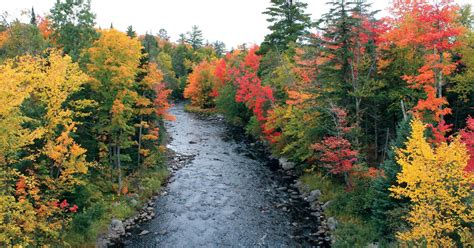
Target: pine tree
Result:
[150, 45]
[33, 20]
[386, 210]
[163, 34]
[195, 37]
[348, 44]
[288, 24]
[130, 32]
[219, 47]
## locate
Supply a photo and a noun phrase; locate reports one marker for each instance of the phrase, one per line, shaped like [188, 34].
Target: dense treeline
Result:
[81, 121]
[375, 111]
[379, 106]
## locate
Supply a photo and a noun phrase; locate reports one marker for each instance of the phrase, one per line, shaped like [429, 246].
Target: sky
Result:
[232, 21]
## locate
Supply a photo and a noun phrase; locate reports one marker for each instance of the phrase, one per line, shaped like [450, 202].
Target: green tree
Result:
[73, 25]
[150, 45]
[33, 20]
[163, 34]
[130, 32]
[195, 37]
[349, 46]
[289, 22]
[219, 48]
[22, 39]
[387, 211]
[165, 64]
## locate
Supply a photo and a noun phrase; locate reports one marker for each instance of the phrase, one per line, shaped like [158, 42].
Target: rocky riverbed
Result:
[224, 191]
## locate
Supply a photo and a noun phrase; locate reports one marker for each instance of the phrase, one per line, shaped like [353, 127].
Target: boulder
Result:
[103, 243]
[326, 205]
[116, 227]
[313, 195]
[332, 223]
[144, 232]
[285, 164]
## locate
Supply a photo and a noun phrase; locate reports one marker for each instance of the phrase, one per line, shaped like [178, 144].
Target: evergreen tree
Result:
[288, 24]
[195, 37]
[130, 32]
[219, 47]
[33, 20]
[163, 34]
[182, 39]
[150, 45]
[387, 211]
[349, 48]
[73, 25]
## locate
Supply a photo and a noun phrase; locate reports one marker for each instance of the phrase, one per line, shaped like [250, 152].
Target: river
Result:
[227, 196]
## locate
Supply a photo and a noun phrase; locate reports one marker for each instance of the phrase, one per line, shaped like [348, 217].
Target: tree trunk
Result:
[119, 170]
[439, 81]
[402, 104]
[140, 131]
[376, 140]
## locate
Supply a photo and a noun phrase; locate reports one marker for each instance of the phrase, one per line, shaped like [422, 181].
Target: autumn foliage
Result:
[433, 28]
[438, 186]
[28, 212]
[201, 83]
[335, 153]
[375, 112]
[41, 157]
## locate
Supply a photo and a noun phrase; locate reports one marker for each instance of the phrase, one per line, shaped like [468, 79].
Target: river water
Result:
[226, 196]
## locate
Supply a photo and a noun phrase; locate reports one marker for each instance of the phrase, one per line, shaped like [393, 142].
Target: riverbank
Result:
[105, 207]
[118, 228]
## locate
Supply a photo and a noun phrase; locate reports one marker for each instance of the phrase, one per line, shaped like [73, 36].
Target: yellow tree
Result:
[13, 137]
[434, 180]
[114, 61]
[52, 158]
[13, 92]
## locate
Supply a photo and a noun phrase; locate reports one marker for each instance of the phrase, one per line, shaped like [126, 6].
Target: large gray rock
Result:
[313, 195]
[326, 205]
[332, 223]
[102, 242]
[285, 164]
[116, 228]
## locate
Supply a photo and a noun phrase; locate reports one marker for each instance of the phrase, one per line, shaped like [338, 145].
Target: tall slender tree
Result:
[195, 37]
[289, 22]
[33, 20]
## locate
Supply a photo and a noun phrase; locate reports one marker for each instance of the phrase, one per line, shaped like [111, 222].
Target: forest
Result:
[375, 111]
